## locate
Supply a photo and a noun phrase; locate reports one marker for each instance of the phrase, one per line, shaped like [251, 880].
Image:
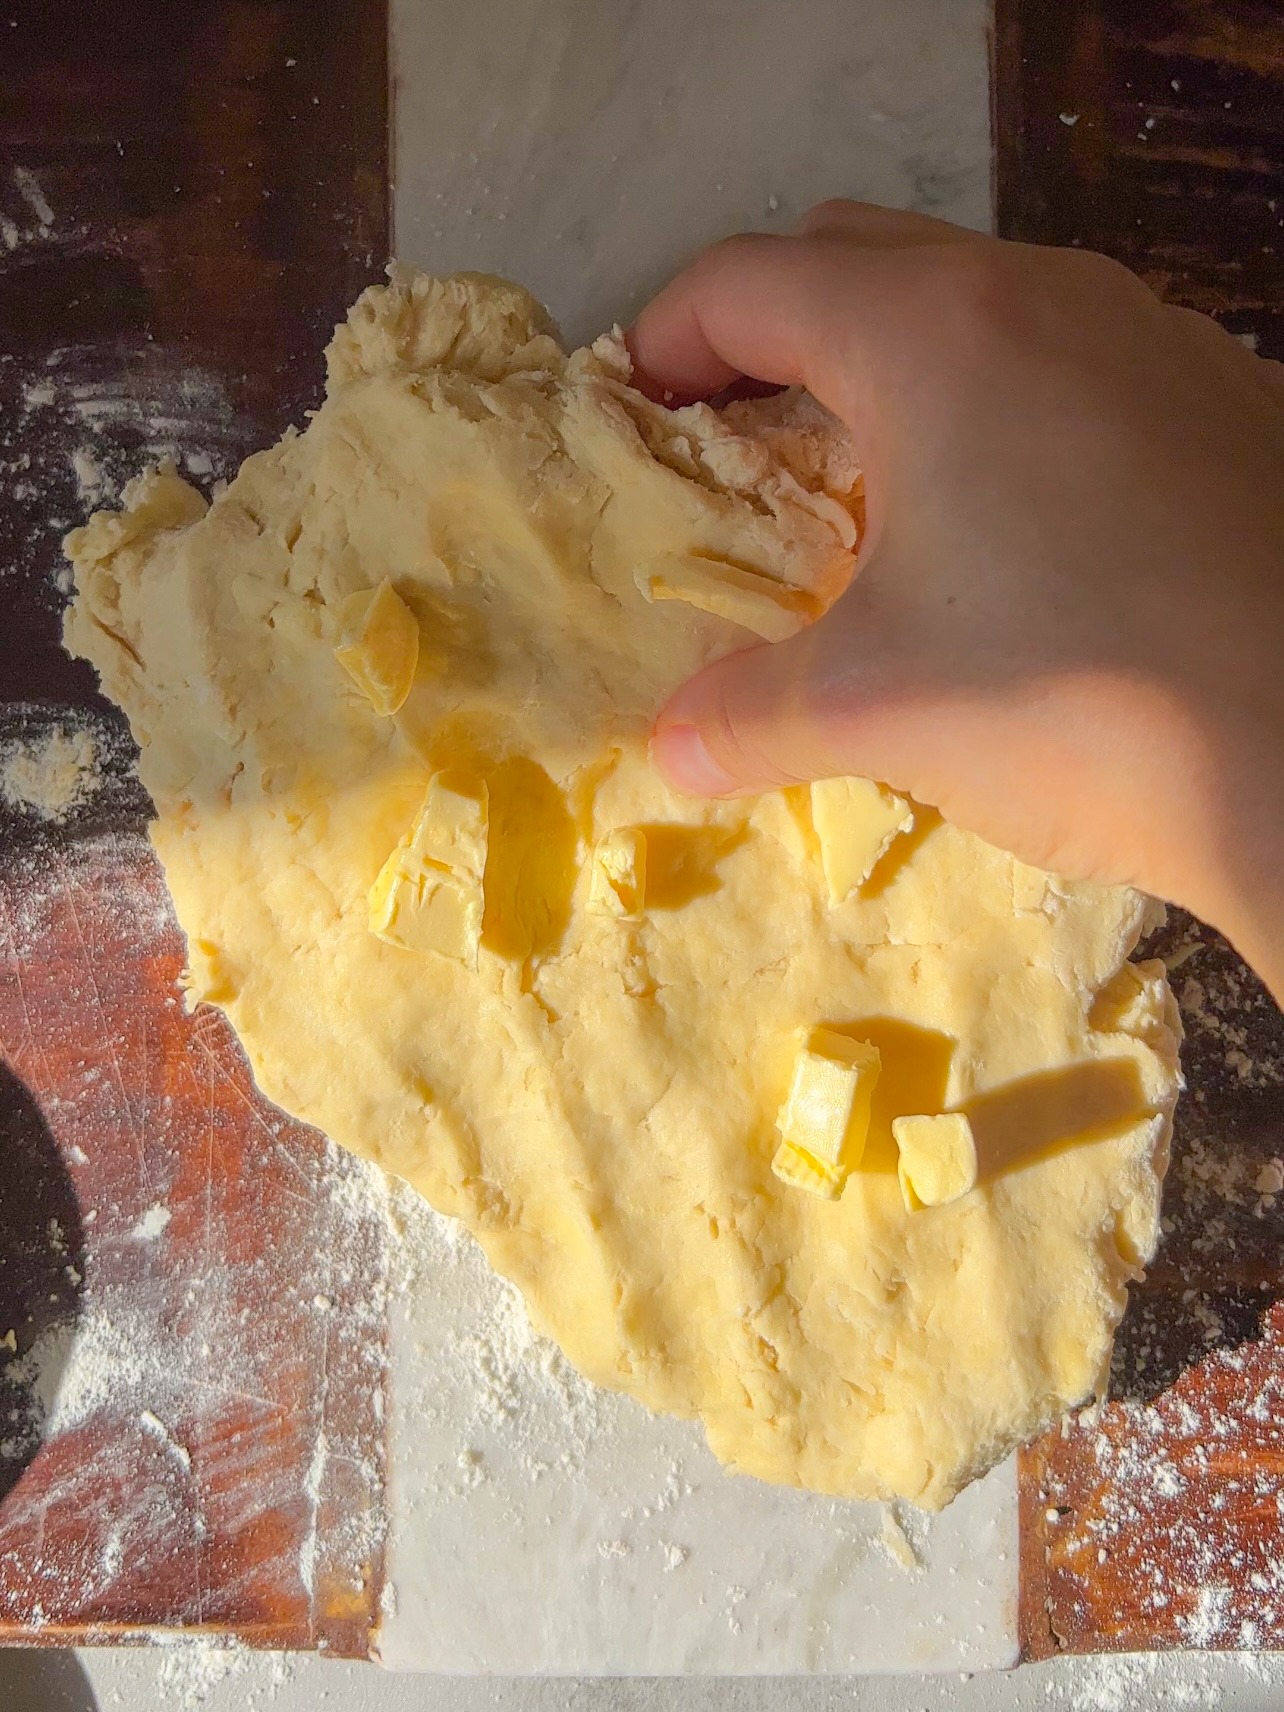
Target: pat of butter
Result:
[429, 894]
[380, 646]
[770, 609]
[937, 1159]
[617, 885]
[856, 821]
[825, 1120]
[452, 828]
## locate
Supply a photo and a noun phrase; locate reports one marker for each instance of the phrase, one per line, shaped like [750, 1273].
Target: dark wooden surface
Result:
[190, 196]
[1153, 130]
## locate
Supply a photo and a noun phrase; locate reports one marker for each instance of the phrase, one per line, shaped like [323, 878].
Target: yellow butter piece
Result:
[856, 821]
[827, 1112]
[452, 828]
[617, 885]
[429, 894]
[380, 646]
[770, 609]
[795, 1166]
[427, 910]
[937, 1158]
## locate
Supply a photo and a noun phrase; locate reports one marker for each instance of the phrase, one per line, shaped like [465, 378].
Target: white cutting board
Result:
[586, 148]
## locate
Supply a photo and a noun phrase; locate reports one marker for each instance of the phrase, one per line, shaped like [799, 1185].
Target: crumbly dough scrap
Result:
[585, 1058]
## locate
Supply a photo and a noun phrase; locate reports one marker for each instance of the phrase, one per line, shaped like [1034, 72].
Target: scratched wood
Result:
[190, 1417]
[1153, 130]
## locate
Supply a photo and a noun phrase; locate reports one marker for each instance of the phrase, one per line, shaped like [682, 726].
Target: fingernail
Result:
[682, 755]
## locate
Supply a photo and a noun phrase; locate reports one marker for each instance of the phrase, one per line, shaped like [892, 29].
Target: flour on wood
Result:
[51, 774]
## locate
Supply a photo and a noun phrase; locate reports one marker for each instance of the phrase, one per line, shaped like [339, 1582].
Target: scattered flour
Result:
[31, 193]
[1131, 1682]
[152, 1223]
[1206, 1623]
[92, 486]
[155, 1428]
[191, 1670]
[73, 1372]
[1223, 1011]
[503, 1377]
[52, 774]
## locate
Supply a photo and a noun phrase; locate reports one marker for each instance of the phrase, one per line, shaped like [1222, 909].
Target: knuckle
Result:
[730, 251]
[998, 298]
[750, 732]
[982, 287]
[835, 211]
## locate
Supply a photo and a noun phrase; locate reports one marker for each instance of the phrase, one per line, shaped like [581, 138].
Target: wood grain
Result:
[1153, 130]
[190, 196]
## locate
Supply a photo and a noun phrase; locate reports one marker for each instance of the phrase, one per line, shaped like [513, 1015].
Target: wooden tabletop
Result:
[1153, 130]
[190, 197]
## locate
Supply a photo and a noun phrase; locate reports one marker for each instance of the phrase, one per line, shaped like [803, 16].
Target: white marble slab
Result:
[542, 1526]
[587, 147]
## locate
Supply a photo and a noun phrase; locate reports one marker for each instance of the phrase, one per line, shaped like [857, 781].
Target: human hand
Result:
[1066, 621]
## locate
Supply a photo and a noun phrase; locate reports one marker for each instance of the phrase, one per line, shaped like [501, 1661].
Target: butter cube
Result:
[824, 1123]
[617, 884]
[380, 646]
[452, 827]
[429, 894]
[856, 821]
[937, 1160]
[827, 1112]
[797, 1168]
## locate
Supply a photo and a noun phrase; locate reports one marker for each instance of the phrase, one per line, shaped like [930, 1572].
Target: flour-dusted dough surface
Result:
[597, 1099]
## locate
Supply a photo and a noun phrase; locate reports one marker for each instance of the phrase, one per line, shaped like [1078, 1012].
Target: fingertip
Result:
[673, 362]
[723, 318]
[653, 386]
[835, 213]
[680, 752]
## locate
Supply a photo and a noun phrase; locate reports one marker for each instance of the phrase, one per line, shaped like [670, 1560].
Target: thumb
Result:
[819, 704]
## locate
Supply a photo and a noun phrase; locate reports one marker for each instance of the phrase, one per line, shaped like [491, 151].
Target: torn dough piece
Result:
[599, 1106]
[936, 1159]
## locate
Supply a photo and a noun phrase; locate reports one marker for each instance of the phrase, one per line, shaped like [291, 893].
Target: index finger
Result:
[777, 308]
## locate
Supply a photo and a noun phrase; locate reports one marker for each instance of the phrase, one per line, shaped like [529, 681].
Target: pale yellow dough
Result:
[597, 1098]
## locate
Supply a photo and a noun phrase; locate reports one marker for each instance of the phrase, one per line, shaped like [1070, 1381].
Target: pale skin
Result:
[1066, 624]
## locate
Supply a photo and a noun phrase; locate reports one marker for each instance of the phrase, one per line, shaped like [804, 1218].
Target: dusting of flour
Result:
[51, 774]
